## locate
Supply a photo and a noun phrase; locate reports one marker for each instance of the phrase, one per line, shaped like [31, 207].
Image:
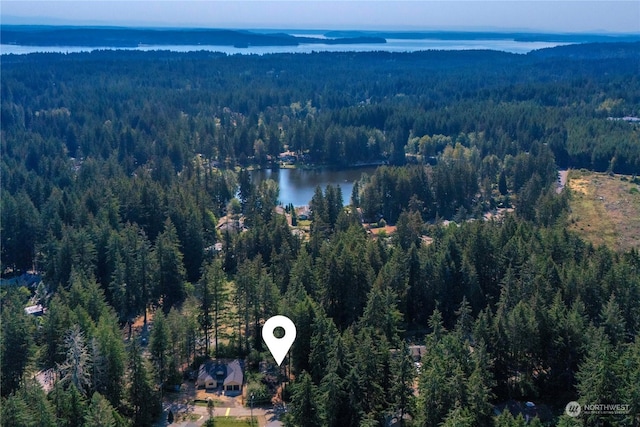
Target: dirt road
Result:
[562, 180]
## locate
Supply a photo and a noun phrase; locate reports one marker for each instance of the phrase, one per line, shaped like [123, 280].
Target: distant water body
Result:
[392, 45]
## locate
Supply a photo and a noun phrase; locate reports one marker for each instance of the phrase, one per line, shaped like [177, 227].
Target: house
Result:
[35, 310]
[227, 377]
[209, 374]
[288, 157]
[234, 378]
[303, 213]
[213, 249]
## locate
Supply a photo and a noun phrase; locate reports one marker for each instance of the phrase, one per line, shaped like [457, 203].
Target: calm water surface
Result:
[298, 185]
[392, 45]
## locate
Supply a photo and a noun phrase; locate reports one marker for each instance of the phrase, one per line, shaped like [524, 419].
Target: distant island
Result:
[29, 35]
[489, 35]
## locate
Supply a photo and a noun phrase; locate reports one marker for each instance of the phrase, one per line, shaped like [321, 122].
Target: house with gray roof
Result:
[217, 375]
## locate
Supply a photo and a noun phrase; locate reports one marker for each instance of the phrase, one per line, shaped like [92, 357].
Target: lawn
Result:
[234, 422]
[605, 210]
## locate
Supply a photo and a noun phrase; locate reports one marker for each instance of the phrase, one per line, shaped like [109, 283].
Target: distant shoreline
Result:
[24, 39]
[392, 46]
[123, 37]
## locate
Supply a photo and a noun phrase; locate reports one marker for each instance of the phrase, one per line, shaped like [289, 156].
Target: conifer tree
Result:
[381, 313]
[599, 377]
[14, 411]
[109, 360]
[213, 302]
[401, 392]
[28, 406]
[171, 275]
[160, 347]
[15, 341]
[319, 209]
[459, 417]
[304, 409]
[142, 398]
[333, 202]
[324, 340]
[69, 403]
[303, 316]
[246, 298]
[99, 413]
[333, 392]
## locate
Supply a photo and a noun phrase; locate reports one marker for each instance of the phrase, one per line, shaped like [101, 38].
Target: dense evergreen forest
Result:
[44, 35]
[118, 166]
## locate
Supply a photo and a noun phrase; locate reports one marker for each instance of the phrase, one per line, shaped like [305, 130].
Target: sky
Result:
[563, 16]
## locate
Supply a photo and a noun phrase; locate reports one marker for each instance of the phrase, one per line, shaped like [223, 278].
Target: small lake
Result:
[298, 185]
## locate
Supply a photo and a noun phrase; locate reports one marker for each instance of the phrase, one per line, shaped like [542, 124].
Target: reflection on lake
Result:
[298, 185]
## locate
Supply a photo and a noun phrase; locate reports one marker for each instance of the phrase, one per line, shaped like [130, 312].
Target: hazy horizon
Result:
[500, 16]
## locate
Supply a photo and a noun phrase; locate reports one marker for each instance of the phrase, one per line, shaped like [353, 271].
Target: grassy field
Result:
[605, 210]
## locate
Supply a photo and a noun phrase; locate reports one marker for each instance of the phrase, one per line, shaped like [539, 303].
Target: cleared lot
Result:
[605, 209]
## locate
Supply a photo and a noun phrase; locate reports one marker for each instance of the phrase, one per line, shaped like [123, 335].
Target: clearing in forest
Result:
[605, 209]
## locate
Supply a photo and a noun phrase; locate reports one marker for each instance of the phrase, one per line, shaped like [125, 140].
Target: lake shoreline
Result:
[311, 167]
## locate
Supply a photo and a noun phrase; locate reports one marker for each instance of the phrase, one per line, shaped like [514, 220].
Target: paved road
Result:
[197, 415]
